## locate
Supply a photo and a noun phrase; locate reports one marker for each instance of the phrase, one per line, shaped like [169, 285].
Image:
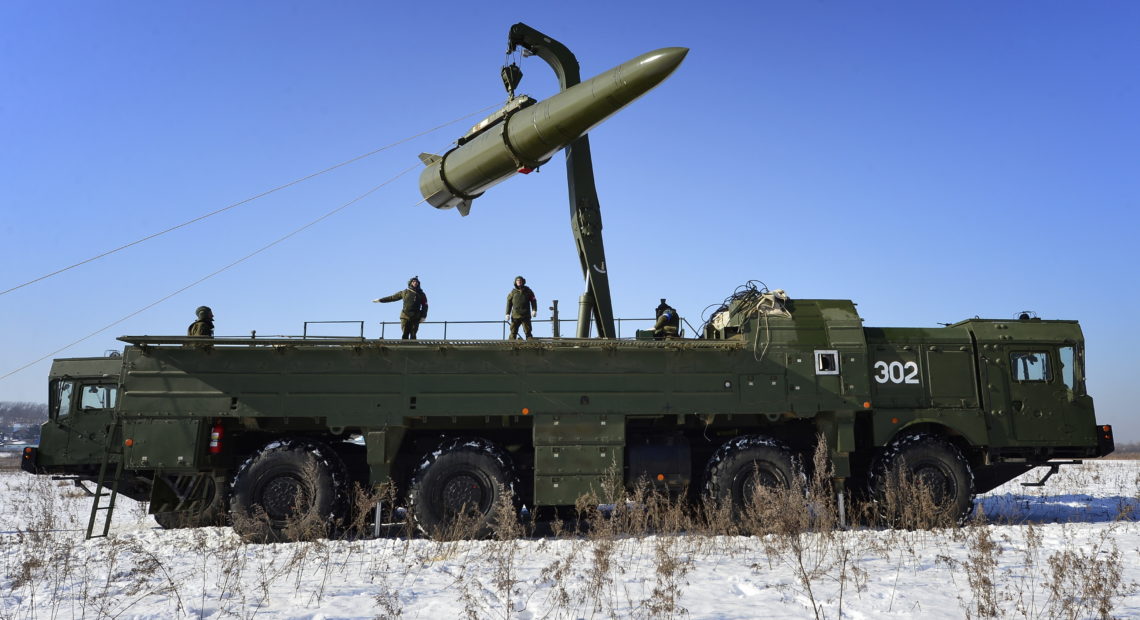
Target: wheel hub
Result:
[279, 497]
[463, 493]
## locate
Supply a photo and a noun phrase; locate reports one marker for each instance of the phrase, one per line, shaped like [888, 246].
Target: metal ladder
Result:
[114, 449]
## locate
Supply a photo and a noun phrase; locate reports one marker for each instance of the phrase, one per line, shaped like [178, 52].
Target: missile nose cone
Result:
[641, 74]
[664, 61]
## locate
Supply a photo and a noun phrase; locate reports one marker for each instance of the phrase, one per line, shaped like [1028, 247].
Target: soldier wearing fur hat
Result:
[204, 326]
[415, 307]
[521, 306]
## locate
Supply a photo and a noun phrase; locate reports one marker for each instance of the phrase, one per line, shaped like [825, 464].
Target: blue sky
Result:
[931, 161]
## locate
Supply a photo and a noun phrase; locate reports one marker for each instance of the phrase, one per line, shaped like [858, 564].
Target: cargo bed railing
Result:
[429, 330]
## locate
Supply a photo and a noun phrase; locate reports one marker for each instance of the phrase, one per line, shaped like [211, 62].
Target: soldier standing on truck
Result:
[415, 307]
[668, 323]
[204, 326]
[521, 306]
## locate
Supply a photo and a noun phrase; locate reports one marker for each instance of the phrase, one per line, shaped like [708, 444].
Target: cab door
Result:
[91, 421]
[80, 417]
[1038, 398]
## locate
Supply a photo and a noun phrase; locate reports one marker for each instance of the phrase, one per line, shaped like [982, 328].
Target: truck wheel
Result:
[212, 510]
[934, 463]
[741, 465]
[456, 487]
[289, 490]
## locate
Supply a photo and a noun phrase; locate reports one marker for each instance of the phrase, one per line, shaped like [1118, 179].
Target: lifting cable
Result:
[207, 277]
[248, 200]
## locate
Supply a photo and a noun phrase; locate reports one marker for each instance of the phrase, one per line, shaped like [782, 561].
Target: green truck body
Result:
[1008, 395]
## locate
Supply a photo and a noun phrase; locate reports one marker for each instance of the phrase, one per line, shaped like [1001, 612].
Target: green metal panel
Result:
[167, 444]
[969, 423]
[578, 460]
[896, 377]
[565, 490]
[802, 395]
[578, 429]
[950, 375]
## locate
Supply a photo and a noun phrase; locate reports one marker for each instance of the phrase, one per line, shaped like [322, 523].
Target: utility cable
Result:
[207, 277]
[247, 200]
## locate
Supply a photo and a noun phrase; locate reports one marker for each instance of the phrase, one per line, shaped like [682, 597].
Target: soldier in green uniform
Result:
[521, 306]
[668, 323]
[415, 307]
[204, 326]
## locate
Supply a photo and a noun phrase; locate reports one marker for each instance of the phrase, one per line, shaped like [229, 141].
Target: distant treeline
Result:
[22, 413]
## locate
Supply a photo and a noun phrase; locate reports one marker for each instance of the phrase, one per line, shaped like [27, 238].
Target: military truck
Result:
[186, 424]
[202, 428]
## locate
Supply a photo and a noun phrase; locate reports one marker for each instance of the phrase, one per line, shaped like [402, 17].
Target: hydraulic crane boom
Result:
[525, 134]
[585, 211]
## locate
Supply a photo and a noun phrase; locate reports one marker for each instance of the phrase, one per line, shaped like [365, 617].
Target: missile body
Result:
[526, 135]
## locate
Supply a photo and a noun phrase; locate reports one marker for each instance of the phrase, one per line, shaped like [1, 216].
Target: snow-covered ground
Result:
[1060, 551]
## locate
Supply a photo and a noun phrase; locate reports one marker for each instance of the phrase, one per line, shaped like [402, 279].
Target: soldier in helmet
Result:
[668, 323]
[415, 307]
[204, 326]
[521, 306]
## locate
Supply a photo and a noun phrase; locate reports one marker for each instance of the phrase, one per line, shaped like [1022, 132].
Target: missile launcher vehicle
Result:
[210, 429]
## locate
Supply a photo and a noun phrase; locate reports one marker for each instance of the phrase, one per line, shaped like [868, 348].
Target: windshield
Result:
[60, 396]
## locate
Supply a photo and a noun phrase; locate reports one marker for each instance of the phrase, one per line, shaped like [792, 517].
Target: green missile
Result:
[526, 133]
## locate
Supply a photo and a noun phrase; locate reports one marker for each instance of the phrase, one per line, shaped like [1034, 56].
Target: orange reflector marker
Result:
[660, 476]
[866, 404]
[128, 443]
[526, 411]
[894, 420]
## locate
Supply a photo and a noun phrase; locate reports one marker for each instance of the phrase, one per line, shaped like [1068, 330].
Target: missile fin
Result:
[464, 207]
[429, 158]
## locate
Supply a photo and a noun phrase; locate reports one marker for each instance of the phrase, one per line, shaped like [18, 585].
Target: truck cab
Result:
[82, 396]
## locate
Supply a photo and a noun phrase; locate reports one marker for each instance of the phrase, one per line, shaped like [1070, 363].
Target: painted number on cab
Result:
[896, 372]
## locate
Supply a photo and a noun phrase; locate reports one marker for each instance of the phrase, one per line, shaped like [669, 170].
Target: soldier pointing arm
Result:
[414, 310]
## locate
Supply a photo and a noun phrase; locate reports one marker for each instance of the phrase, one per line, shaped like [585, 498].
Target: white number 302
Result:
[896, 372]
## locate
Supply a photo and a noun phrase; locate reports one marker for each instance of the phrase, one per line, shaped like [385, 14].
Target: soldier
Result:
[668, 322]
[415, 307]
[204, 326]
[521, 305]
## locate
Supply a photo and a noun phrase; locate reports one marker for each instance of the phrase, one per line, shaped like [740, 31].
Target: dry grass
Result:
[791, 537]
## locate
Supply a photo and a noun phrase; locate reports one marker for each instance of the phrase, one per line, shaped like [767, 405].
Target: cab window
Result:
[61, 398]
[1030, 366]
[98, 397]
[1068, 367]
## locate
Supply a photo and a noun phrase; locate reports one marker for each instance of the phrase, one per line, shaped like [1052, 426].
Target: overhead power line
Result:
[245, 201]
[207, 277]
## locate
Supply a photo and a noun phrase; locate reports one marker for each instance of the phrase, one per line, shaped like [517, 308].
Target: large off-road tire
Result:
[211, 511]
[456, 487]
[294, 489]
[938, 466]
[742, 464]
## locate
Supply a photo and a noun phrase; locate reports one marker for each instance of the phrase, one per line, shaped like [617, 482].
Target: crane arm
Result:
[585, 211]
